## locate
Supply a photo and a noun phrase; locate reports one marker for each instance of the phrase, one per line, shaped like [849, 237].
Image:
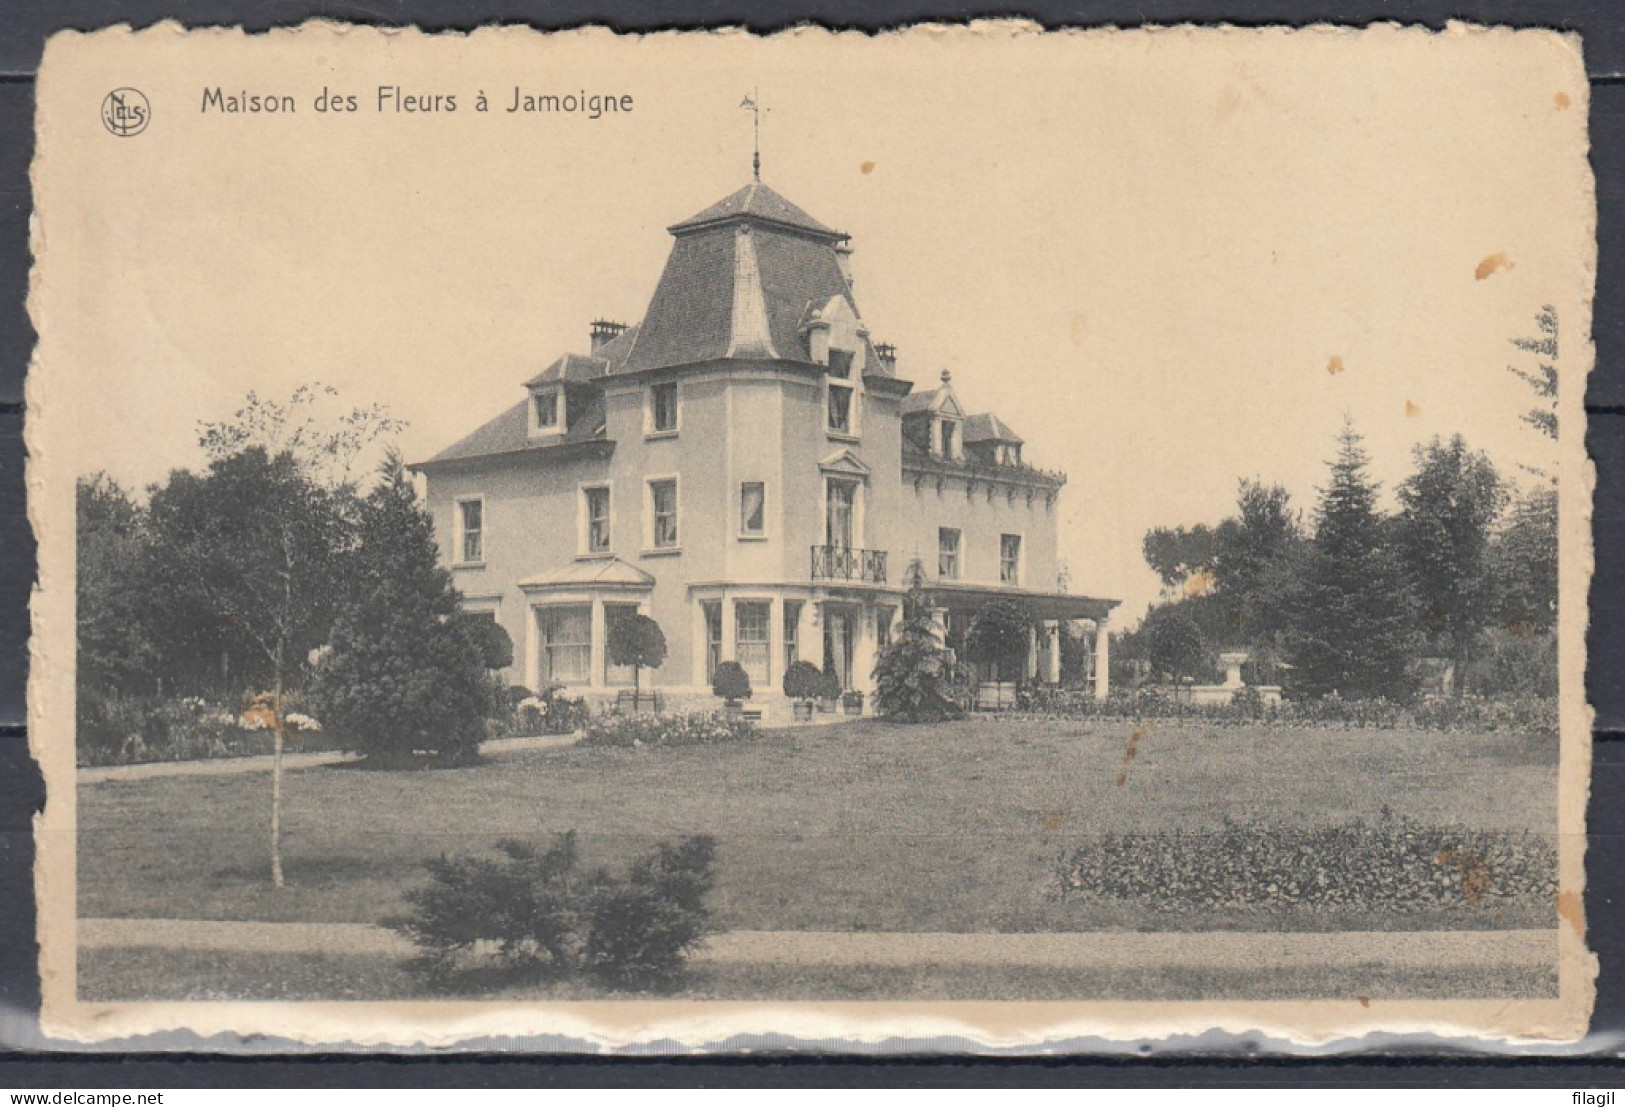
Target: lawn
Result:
[861, 826]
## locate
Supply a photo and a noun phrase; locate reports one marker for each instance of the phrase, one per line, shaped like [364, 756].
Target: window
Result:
[546, 407]
[947, 553]
[1009, 559]
[471, 531]
[663, 408]
[566, 644]
[840, 408]
[597, 512]
[883, 621]
[948, 428]
[713, 639]
[751, 621]
[840, 364]
[792, 632]
[839, 495]
[663, 513]
[752, 509]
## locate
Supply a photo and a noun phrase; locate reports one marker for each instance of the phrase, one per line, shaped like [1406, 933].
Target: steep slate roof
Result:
[989, 428]
[760, 202]
[510, 433]
[589, 367]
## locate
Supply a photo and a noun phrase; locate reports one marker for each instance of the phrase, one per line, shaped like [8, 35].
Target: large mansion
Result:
[747, 467]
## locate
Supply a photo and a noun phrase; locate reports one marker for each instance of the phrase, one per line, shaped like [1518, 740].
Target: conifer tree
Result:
[1351, 625]
[404, 674]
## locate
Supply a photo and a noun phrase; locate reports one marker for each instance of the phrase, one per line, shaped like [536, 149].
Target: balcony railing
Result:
[846, 563]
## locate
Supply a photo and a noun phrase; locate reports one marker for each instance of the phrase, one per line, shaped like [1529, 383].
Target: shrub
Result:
[803, 681]
[1393, 864]
[829, 685]
[914, 676]
[1533, 715]
[697, 729]
[493, 643]
[730, 682]
[546, 918]
[1509, 664]
[640, 931]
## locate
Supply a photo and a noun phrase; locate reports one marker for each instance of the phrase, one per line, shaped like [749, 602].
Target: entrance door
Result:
[838, 635]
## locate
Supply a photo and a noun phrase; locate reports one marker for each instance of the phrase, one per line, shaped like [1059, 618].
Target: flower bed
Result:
[126, 730]
[1528, 714]
[1394, 864]
[695, 729]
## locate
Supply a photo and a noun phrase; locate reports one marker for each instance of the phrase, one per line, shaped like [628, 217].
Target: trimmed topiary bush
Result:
[731, 683]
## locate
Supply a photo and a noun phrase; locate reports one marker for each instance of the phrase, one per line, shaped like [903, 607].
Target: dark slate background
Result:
[23, 31]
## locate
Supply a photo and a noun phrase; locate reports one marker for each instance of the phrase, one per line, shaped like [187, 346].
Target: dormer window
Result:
[840, 364]
[544, 408]
[949, 438]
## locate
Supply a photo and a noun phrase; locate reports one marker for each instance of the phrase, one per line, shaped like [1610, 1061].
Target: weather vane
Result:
[750, 103]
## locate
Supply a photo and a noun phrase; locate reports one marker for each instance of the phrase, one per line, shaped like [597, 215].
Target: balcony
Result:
[847, 563]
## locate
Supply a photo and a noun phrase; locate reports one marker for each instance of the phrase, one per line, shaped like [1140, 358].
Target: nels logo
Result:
[126, 112]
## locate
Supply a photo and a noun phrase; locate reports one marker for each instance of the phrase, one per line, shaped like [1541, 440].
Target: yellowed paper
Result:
[747, 336]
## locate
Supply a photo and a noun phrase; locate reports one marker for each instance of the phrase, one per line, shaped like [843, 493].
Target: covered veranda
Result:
[955, 603]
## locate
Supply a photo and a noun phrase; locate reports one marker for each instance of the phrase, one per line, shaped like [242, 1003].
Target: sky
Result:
[1168, 261]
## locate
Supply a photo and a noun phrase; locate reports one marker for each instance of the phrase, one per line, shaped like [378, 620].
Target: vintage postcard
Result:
[963, 538]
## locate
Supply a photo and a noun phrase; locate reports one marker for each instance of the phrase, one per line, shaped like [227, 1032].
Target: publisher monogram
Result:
[125, 112]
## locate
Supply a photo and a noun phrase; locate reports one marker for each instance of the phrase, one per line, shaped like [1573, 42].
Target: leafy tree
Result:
[324, 445]
[1176, 554]
[913, 673]
[256, 542]
[635, 639]
[116, 647]
[1447, 509]
[1523, 565]
[999, 636]
[1175, 645]
[1351, 623]
[1254, 564]
[405, 672]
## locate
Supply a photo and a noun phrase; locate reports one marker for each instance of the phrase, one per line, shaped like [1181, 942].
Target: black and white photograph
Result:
[966, 534]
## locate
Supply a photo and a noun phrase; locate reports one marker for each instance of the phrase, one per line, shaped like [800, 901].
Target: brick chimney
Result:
[605, 332]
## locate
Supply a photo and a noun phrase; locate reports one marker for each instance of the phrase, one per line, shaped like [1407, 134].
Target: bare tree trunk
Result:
[276, 775]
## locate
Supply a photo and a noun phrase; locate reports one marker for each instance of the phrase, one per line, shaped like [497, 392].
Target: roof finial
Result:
[946, 376]
[750, 102]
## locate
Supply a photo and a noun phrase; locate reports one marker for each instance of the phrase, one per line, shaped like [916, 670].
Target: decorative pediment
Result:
[587, 575]
[845, 463]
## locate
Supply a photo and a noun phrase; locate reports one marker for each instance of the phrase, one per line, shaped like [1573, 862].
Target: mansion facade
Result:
[745, 466]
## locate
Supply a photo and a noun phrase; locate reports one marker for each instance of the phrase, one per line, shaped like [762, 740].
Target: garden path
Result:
[230, 766]
[1428, 949]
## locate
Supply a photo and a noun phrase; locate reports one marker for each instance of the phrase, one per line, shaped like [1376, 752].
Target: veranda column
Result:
[1052, 674]
[1102, 657]
[596, 652]
[728, 647]
[1032, 652]
[863, 651]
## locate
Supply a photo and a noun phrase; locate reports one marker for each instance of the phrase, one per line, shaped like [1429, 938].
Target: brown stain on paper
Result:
[866, 168]
[1561, 100]
[1474, 871]
[1130, 751]
[1411, 410]
[1571, 912]
[1335, 365]
[1492, 264]
[1365, 1001]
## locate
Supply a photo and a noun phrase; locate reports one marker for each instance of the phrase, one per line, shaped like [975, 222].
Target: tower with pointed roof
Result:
[744, 465]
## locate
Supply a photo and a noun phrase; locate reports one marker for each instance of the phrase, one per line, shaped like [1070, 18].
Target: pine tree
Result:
[1351, 633]
[404, 675]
